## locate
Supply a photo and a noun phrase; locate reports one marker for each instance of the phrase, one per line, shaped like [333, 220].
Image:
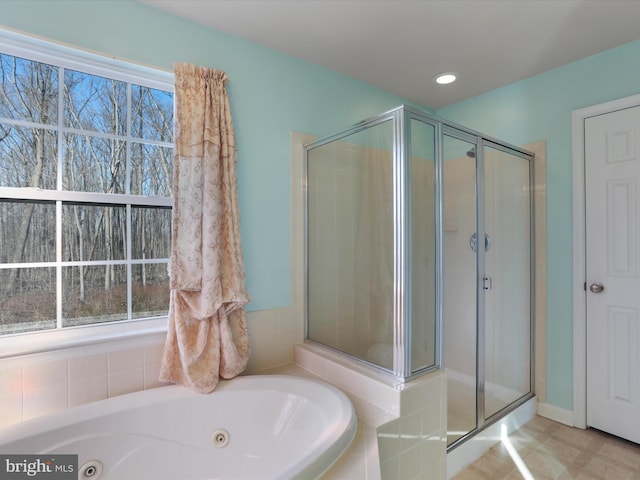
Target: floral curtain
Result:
[207, 334]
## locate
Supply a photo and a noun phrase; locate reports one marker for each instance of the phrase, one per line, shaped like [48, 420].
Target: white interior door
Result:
[612, 175]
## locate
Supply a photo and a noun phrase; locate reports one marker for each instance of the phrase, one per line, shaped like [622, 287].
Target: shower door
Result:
[507, 279]
[487, 268]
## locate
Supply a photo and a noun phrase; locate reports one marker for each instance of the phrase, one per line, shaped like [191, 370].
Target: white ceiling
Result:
[400, 45]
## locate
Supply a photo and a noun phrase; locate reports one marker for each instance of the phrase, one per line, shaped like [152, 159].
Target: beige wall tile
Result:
[11, 380]
[125, 360]
[45, 373]
[127, 381]
[44, 400]
[88, 366]
[10, 408]
[87, 390]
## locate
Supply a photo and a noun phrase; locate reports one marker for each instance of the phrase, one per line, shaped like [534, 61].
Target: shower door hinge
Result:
[487, 282]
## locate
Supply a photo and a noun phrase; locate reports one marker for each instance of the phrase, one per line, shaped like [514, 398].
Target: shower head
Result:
[472, 152]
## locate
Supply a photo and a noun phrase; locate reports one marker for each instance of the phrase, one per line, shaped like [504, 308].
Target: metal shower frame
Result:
[401, 117]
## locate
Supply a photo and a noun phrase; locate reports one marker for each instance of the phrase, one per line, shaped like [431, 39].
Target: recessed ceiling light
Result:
[445, 78]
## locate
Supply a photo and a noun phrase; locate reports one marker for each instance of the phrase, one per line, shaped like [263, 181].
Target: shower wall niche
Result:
[418, 256]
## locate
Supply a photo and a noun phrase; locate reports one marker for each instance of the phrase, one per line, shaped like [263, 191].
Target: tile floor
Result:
[551, 450]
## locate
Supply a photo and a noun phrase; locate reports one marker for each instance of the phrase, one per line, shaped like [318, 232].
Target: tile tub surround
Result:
[402, 425]
[42, 383]
[401, 431]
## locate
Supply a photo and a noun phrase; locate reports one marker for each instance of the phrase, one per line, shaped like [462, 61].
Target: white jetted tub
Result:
[252, 427]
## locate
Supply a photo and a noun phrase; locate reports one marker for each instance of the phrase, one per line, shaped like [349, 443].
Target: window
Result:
[86, 149]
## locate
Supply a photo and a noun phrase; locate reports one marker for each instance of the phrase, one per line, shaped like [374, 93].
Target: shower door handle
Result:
[473, 242]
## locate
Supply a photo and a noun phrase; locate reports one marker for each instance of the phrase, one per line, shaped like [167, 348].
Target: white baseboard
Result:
[556, 413]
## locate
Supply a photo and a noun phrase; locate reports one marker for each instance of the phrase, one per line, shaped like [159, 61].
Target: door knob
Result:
[596, 287]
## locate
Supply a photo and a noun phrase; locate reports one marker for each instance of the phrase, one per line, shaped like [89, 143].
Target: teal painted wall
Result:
[271, 94]
[539, 108]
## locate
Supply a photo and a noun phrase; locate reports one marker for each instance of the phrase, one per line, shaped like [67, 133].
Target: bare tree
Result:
[94, 160]
[30, 96]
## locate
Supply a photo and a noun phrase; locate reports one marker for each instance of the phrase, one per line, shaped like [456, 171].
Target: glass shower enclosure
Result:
[419, 256]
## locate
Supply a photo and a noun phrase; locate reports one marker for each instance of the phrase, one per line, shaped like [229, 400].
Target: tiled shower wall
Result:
[42, 383]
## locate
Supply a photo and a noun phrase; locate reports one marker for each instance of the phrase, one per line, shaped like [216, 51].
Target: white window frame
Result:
[19, 45]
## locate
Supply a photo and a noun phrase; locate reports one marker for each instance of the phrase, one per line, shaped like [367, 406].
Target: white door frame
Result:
[579, 251]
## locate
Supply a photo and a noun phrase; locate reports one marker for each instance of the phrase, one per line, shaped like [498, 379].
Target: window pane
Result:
[27, 157]
[151, 170]
[95, 103]
[95, 294]
[27, 299]
[93, 164]
[25, 232]
[151, 232]
[93, 232]
[150, 290]
[152, 115]
[64, 129]
[29, 90]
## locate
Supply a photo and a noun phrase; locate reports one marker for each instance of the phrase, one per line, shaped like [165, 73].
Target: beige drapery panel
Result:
[207, 335]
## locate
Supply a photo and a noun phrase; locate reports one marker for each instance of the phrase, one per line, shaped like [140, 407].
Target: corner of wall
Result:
[540, 268]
